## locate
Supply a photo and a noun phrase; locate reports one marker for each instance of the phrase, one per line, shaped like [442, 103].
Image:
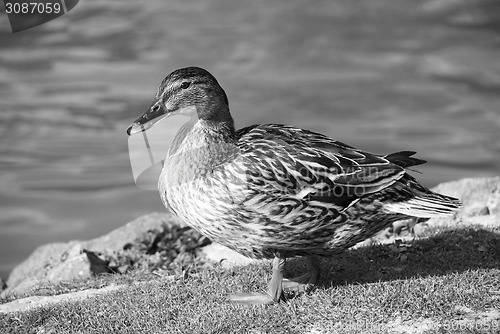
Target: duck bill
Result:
[156, 113]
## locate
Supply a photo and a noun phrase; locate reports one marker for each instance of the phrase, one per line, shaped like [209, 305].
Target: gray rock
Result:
[58, 262]
[72, 264]
[474, 193]
[117, 239]
[30, 303]
[481, 200]
[35, 267]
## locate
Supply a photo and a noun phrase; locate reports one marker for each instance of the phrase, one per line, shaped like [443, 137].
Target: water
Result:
[379, 75]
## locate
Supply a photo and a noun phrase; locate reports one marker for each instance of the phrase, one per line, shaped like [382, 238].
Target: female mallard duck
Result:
[276, 191]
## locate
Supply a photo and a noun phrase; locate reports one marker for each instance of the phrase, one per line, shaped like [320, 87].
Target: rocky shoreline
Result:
[157, 241]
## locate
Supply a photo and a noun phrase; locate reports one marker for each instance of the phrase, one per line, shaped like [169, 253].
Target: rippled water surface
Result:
[379, 75]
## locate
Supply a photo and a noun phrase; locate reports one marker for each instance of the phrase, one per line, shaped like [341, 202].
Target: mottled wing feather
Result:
[404, 159]
[303, 163]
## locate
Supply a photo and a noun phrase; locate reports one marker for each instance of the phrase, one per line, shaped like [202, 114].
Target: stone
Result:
[474, 193]
[117, 239]
[34, 268]
[481, 200]
[58, 262]
[29, 303]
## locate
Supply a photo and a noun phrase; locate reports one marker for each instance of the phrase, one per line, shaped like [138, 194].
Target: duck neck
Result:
[217, 133]
[218, 125]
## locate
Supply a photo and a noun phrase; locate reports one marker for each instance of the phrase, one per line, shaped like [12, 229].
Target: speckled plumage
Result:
[278, 189]
[273, 190]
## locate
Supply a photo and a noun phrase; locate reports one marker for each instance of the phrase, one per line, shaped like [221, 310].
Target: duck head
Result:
[193, 91]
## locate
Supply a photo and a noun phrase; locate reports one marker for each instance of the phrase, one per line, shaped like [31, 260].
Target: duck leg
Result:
[304, 282]
[274, 291]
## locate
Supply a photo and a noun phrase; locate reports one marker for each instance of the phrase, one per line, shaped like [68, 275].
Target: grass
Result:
[448, 282]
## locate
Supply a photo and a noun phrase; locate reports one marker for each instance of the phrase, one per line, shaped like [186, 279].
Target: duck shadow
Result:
[444, 253]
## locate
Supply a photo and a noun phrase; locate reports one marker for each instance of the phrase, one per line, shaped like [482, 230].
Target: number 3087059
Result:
[32, 8]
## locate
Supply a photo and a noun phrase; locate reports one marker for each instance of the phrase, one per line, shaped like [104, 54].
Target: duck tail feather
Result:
[404, 159]
[427, 205]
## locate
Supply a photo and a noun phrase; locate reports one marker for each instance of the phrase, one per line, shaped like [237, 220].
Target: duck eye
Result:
[185, 84]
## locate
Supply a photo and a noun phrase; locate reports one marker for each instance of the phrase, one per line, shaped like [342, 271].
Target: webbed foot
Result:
[275, 290]
[277, 285]
[251, 298]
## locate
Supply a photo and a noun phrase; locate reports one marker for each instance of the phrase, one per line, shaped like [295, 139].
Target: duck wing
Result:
[301, 163]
